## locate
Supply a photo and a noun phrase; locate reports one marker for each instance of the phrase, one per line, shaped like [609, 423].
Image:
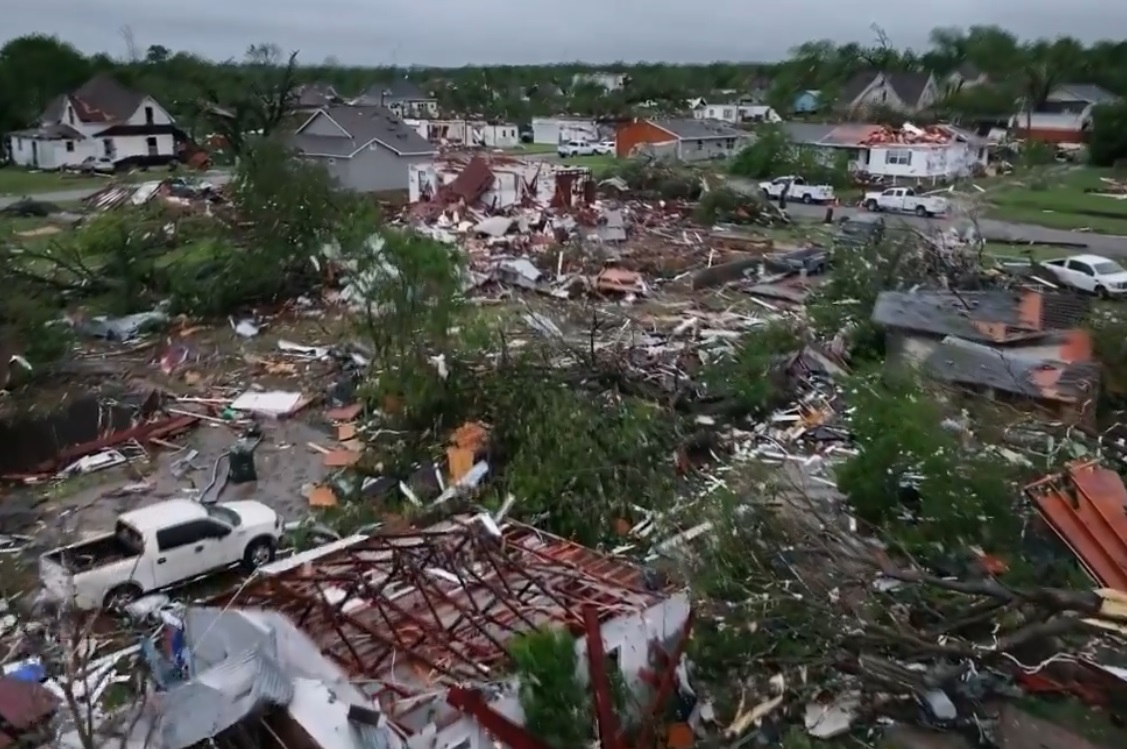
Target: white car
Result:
[157, 547]
[575, 148]
[97, 165]
[905, 200]
[797, 189]
[605, 148]
[1090, 273]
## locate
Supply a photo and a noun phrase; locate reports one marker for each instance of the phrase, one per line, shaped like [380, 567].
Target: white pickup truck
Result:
[159, 546]
[797, 189]
[575, 148]
[905, 200]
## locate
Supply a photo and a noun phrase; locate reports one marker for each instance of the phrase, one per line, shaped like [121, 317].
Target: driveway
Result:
[1099, 244]
[70, 196]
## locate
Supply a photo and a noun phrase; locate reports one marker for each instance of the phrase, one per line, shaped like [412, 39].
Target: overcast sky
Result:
[461, 32]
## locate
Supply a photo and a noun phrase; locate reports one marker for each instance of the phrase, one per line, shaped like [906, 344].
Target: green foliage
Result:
[966, 494]
[1107, 143]
[774, 155]
[750, 377]
[412, 291]
[555, 704]
[581, 462]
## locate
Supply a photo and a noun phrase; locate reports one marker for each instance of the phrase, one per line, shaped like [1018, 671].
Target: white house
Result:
[101, 119]
[554, 130]
[911, 154]
[467, 132]
[736, 112]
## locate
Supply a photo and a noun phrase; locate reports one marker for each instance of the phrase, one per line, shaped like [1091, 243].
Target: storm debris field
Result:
[544, 447]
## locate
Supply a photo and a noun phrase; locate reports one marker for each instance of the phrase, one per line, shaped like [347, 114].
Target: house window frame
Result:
[150, 116]
[899, 157]
[70, 146]
[70, 115]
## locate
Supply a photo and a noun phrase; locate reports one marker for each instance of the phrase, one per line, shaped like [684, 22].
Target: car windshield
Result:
[223, 515]
[1107, 267]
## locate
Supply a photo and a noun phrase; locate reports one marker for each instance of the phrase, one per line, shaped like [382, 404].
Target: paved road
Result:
[1100, 244]
[69, 196]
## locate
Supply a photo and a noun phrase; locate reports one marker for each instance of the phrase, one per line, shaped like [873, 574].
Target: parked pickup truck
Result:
[798, 190]
[159, 546]
[905, 200]
[1091, 273]
[575, 148]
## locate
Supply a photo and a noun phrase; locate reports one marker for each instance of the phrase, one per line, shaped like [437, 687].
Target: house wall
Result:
[554, 130]
[931, 162]
[629, 636]
[53, 154]
[638, 133]
[706, 149]
[374, 169]
[737, 113]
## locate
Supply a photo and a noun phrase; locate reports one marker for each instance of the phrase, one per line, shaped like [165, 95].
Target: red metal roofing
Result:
[1087, 507]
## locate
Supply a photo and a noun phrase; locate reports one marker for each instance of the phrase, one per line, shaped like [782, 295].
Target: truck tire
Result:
[807, 198]
[121, 596]
[921, 211]
[260, 551]
[872, 206]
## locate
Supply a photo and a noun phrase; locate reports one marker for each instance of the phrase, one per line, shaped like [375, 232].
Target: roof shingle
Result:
[363, 124]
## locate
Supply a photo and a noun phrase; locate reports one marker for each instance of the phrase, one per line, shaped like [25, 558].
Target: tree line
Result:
[183, 82]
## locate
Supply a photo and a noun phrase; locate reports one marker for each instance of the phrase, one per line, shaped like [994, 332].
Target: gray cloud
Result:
[452, 32]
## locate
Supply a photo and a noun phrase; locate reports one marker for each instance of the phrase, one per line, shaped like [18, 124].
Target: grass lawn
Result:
[1056, 198]
[532, 148]
[20, 182]
[1039, 252]
[595, 163]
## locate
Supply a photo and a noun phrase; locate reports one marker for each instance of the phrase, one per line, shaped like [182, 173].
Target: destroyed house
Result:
[242, 679]
[421, 621]
[1018, 344]
[496, 182]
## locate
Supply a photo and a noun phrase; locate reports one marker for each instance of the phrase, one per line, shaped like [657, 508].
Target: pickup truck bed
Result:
[94, 553]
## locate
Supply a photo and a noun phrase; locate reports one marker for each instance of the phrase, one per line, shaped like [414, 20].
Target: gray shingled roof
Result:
[397, 90]
[945, 314]
[807, 132]
[966, 363]
[908, 85]
[363, 124]
[100, 99]
[687, 129]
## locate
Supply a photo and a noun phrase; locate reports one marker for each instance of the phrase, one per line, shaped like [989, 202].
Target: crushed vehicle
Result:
[1092, 274]
[796, 188]
[905, 200]
[157, 547]
[860, 230]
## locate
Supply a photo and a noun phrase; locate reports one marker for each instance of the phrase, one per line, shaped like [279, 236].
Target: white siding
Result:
[630, 636]
[934, 162]
[553, 130]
